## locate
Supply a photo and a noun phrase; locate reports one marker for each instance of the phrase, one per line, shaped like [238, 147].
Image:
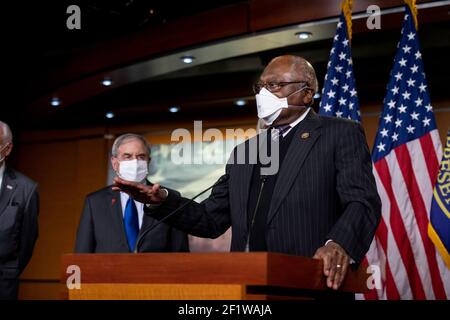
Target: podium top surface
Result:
[255, 268]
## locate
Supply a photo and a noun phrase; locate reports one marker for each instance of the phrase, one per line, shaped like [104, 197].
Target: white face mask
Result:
[270, 106]
[133, 170]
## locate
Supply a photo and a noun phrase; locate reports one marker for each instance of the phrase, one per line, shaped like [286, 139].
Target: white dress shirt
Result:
[296, 122]
[139, 205]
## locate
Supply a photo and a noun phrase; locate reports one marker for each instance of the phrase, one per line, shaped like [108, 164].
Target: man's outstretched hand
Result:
[141, 192]
[335, 263]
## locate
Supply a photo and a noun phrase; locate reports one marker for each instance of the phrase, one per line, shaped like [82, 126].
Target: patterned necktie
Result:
[131, 222]
[278, 131]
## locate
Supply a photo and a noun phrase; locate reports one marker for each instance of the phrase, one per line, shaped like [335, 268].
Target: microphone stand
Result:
[222, 179]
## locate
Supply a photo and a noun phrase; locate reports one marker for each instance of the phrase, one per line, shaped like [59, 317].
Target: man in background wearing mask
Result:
[19, 208]
[321, 203]
[111, 222]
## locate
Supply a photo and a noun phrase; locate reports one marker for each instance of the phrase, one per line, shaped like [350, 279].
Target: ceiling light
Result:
[107, 82]
[240, 102]
[109, 115]
[303, 35]
[187, 59]
[55, 101]
[174, 109]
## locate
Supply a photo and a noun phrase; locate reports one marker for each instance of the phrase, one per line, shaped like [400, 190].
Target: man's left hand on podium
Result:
[335, 263]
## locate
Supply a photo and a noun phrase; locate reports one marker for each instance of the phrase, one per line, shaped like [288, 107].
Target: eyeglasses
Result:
[272, 86]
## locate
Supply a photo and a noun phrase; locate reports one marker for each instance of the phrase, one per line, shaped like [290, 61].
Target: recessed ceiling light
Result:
[174, 109]
[55, 101]
[109, 115]
[187, 59]
[107, 82]
[303, 35]
[317, 95]
[240, 102]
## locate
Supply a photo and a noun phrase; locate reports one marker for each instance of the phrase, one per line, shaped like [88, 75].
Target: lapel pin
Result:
[305, 135]
[9, 187]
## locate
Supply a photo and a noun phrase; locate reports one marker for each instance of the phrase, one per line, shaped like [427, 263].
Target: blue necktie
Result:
[131, 222]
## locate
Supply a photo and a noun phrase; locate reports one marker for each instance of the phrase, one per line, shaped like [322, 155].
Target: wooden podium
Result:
[199, 276]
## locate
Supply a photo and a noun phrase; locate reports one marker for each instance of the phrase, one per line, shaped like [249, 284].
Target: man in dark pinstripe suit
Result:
[321, 203]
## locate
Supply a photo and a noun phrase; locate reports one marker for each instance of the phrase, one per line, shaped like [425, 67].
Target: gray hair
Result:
[125, 138]
[7, 134]
[302, 66]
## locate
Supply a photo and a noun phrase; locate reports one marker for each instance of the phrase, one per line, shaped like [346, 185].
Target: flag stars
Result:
[336, 37]
[395, 137]
[327, 107]
[398, 123]
[342, 101]
[406, 95]
[414, 116]
[331, 94]
[339, 114]
[391, 104]
[335, 81]
[342, 56]
[398, 76]
[350, 61]
[384, 132]
[414, 68]
[411, 36]
[348, 74]
[338, 68]
[422, 87]
[380, 147]
[353, 92]
[410, 129]
[406, 49]
[350, 105]
[411, 82]
[388, 118]
[345, 87]
[402, 62]
[429, 107]
[345, 42]
[395, 90]
[426, 122]
[339, 24]
[418, 102]
[418, 55]
[402, 109]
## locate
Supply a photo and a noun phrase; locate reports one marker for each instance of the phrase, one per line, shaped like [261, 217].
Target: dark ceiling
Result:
[35, 37]
[209, 91]
[35, 43]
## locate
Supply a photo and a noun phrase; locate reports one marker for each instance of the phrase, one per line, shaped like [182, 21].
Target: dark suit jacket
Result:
[19, 208]
[101, 228]
[325, 190]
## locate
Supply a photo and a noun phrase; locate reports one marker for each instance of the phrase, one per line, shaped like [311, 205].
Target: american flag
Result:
[406, 159]
[339, 96]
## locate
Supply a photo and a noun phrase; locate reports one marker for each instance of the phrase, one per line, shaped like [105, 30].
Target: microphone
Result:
[222, 179]
[263, 182]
